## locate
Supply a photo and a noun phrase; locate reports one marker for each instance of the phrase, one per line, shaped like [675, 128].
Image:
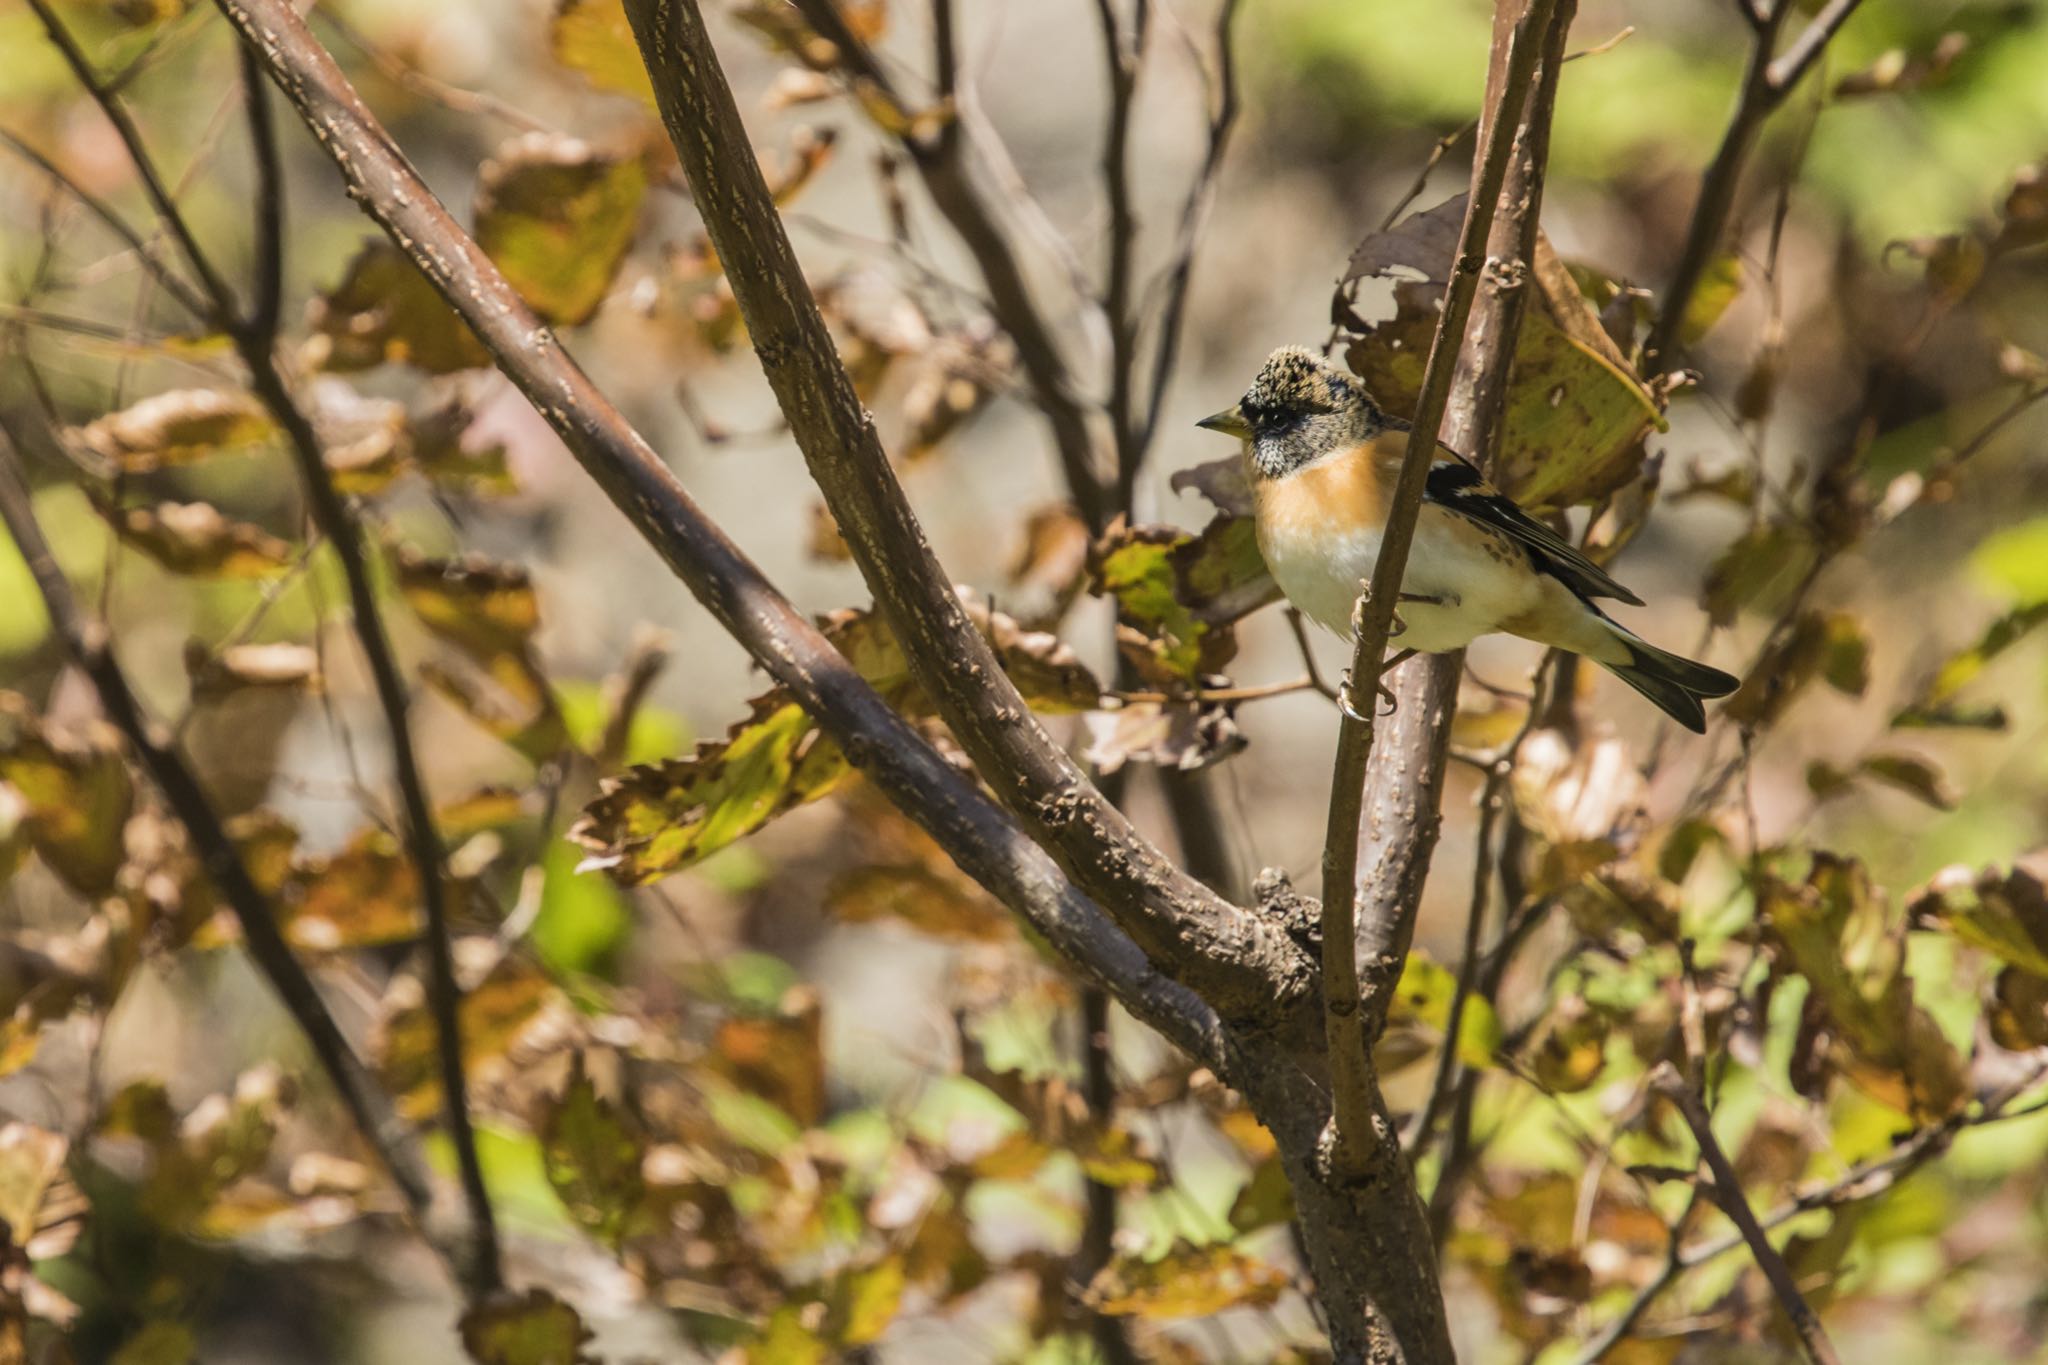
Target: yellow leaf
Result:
[1187, 1282]
[593, 39]
[558, 216]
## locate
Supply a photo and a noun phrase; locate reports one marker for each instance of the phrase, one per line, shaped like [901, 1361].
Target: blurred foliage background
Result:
[806, 1092]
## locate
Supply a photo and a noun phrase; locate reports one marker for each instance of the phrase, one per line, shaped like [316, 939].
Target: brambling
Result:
[1323, 460]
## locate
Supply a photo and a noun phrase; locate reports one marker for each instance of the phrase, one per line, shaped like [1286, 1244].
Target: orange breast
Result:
[1335, 496]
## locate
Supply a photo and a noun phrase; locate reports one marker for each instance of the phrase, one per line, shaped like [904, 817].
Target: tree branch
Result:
[1765, 84]
[1122, 62]
[1728, 1194]
[1243, 966]
[985, 843]
[1348, 1028]
[91, 649]
[254, 339]
[943, 168]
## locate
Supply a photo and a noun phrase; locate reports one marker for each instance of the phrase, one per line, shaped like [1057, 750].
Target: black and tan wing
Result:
[1458, 487]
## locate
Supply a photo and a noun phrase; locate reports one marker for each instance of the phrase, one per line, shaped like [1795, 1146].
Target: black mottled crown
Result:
[1296, 381]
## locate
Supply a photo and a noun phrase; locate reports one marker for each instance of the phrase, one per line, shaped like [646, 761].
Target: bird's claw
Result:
[1345, 704]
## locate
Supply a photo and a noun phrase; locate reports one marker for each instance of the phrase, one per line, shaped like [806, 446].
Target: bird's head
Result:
[1299, 409]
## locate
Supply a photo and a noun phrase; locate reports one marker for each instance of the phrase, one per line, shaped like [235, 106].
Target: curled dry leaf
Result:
[282, 664]
[558, 216]
[197, 538]
[2002, 911]
[1223, 482]
[385, 310]
[177, 427]
[513, 1008]
[1182, 735]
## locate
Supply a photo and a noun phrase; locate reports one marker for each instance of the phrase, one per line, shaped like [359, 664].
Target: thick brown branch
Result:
[1728, 1194]
[1347, 1026]
[984, 842]
[1240, 964]
[91, 649]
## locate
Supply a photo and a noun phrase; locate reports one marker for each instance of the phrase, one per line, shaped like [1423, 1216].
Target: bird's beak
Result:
[1230, 422]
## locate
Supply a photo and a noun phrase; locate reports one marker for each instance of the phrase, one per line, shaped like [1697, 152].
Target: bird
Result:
[1323, 459]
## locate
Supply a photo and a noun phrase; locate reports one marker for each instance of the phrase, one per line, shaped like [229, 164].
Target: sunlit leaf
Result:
[1423, 996]
[534, 1328]
[76, 791]
[657, 818]
[1719, 285]
[2004, 912]
[1177, 594]
[384, 310]
[593, 39]
[1896, 1053]
[176, 427]
[1569, 1049]
[365, 894]
[558, 216]
[860, 1304]
[1187, 1282]
[1574, 417]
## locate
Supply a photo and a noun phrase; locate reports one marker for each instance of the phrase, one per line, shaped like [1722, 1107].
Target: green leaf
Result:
[2003, 912]
[1266, 1200]
[1764, 561]
[1719, 286]
[583, 921]
[1895, 1051]
[558, 216]
[862, 1303]
[534, 1328]
[1423, 996]
[593, 1158]
[1914, 776]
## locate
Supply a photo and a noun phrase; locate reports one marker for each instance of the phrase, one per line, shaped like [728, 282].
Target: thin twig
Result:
[1347, 1028]
[1728, 1194]
[1198, 696]
[1194, 213]
[90, 646]
[481, 1272]
[1122, 61]
[212, 285]
[98, 208]
[987, 844]
[269, 206]
[1765, 84]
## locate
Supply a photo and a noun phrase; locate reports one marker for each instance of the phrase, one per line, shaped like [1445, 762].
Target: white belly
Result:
[1482, 585]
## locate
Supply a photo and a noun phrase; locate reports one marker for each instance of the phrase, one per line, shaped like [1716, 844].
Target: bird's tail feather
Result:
[1674, 683]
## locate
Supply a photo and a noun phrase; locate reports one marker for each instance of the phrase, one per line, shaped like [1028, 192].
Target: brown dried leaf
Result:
[383, 310]
[926, 898]
[177, 427]
[196, 538]
[1184, 736]
[778, 1057]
